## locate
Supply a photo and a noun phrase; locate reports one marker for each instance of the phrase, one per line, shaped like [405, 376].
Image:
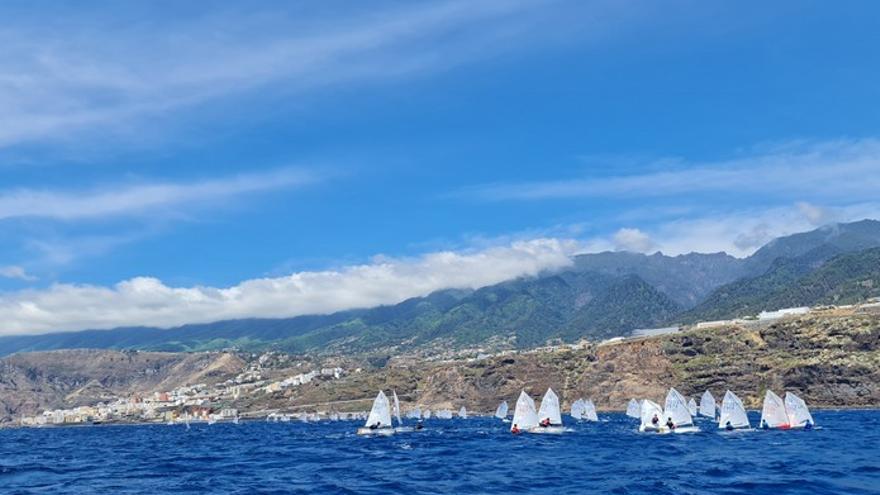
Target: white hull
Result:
[549, 430]
[404, 429]
[663, 430]
[378, 432]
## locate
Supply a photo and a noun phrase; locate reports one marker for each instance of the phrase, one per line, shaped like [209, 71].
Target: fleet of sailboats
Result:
[676, 415]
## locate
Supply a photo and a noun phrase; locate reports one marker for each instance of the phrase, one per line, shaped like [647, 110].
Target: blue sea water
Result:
[452, 456]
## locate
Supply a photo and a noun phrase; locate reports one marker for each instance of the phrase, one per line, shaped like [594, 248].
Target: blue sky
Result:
[155, 157]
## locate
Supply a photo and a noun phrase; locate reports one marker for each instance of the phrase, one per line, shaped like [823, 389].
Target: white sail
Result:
[707, 405]
[380, 413]
[550, 408]
[733, 412]
[462, 413]
[444, 414]
[796, 408]
[427, 414]
[414, 413]
[773, 412]
[524, 415]
[633, 409]
[676, 409]
[649, 410]
[589, 411]
[501, 412]
[396, 408]
[692, 407]
[577, 409]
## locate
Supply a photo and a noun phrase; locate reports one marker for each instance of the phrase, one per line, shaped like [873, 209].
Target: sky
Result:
[165, 163]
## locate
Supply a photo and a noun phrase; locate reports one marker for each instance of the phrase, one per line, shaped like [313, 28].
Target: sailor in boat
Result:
[376, 426]
[655, 420]
[669, 423]
[728, 426]
[419, 425]
[808, 425]
[515, 429]
[544, 423]
[764, 425]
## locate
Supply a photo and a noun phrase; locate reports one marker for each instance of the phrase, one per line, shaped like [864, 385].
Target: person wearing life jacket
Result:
[808, 425]
[764, 425]
[655, 420]
[728, 426]
[545, 423]
[376, 426]
[515, 429]
[419, 425]
[669, 423]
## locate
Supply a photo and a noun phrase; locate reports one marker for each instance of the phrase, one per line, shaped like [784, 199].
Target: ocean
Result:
[476, 455]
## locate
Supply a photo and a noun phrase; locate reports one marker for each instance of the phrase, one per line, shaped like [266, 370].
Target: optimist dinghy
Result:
[798, 414]
[676, 409]
[577, 409]
[549, 414]
[589, 411]
[462, 413]
[524, 415]
[733, 414]
[379, 420]
[707, 405]
[400, 428]
[501, 412]
[773, 413]
[633, 409]
[648, 411]
[692, 407]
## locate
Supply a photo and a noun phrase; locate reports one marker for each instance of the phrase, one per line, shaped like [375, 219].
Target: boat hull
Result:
[378, 432]
[549, 430]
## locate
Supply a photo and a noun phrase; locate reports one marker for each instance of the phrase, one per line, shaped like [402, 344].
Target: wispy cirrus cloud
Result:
[87, 71]
[386, 280]
[848, 169]
[154, 197]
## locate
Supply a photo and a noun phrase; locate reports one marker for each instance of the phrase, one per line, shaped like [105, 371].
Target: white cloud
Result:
[633, 240]
[843, 169]
[737, 232]
[135, 199]
[16, 272]
[98, 72]
[147, 301]
[817, 215]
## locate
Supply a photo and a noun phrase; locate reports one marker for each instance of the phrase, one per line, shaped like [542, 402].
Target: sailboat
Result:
[707, 405]
[577, 409]
[400, 428]
[524, 415]
[379, 420]
[647, 412]
[692, 407]
[633, 409]
[733, 414]
[501, 412]
[773, 413]
[676, 409]
[589, 411]
[426, 414]
[798, 414]
[462, 413]
[444, 414]
[549, 412]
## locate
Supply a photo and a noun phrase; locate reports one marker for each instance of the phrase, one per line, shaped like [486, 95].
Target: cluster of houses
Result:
[191, 403]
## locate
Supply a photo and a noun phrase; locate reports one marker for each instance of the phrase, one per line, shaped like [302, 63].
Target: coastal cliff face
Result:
[831, 360]
[32, 382]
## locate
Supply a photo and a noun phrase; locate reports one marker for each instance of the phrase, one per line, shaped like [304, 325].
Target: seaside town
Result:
[199, 402]
[207, 403]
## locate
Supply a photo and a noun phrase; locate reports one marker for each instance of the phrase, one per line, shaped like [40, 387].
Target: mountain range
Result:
[601, 295]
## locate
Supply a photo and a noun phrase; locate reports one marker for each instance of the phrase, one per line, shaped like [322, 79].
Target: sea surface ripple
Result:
[450, 456]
